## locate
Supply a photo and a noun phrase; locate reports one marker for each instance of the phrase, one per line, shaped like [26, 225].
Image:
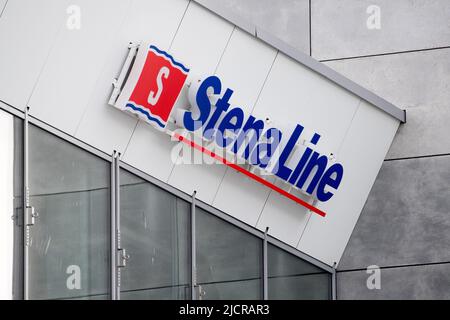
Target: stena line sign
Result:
[247, 144]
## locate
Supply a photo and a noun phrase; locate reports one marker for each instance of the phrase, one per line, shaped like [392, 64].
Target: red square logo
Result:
[158, 87]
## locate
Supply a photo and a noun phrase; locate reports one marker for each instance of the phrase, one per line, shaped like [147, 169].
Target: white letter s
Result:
[152, 97]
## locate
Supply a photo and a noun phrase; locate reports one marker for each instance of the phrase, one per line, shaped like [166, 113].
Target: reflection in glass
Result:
[228, 259]
[155, 233]
[69, 252]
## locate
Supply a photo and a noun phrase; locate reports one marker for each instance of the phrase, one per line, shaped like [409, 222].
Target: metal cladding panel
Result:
[254, 197]
[200, 43]
[244, 67]
[406, 212]
[349, 28]
[285, 219]
[417, 282]
[27, 31]
[295, 95]
[107, 128]
[190, 47]
[74, 64]
[149, 151]
[362, 154]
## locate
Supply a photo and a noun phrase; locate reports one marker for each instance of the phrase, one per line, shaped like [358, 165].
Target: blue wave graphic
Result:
[170, 57]
[149, 117]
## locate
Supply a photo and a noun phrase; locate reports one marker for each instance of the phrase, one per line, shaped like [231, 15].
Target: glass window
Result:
[18, 212]
[293, 278]
[228, 260]
[155, 232]
[69, 252]
[69, 256]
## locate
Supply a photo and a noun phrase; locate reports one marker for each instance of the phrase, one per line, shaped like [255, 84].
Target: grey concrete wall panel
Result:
[405, 219]
[418, 82]
[407, 80]
[409, 283]
[339, 28]
[318, 67]
[424, 134]
[287, 19]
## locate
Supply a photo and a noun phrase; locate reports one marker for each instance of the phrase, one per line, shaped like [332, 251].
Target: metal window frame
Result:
[193, 249]
[227, 218]
[195, 203]
[26, 203]
[334, 284]
[265, 268]
[114, 288]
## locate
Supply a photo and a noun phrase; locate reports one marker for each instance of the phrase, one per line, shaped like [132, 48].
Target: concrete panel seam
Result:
[419, 157]
[384, 54]
[398, 266]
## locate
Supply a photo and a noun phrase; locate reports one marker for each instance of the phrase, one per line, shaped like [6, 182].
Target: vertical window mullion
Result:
[193, 251]
[113, 233]
[26, 203]
[333, 284]
[120, 257]
[265, 267]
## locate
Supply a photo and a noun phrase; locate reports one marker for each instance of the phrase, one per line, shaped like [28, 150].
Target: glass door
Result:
[154, 230]
[66, 220]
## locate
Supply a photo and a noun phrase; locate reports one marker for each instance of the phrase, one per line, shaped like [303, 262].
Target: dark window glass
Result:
[293, 278]
[70, 242]
[228, 260]
[155, 232]
[69, 251]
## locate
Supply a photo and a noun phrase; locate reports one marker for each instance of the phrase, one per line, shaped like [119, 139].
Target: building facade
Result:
[108, 215]
[404, 226]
